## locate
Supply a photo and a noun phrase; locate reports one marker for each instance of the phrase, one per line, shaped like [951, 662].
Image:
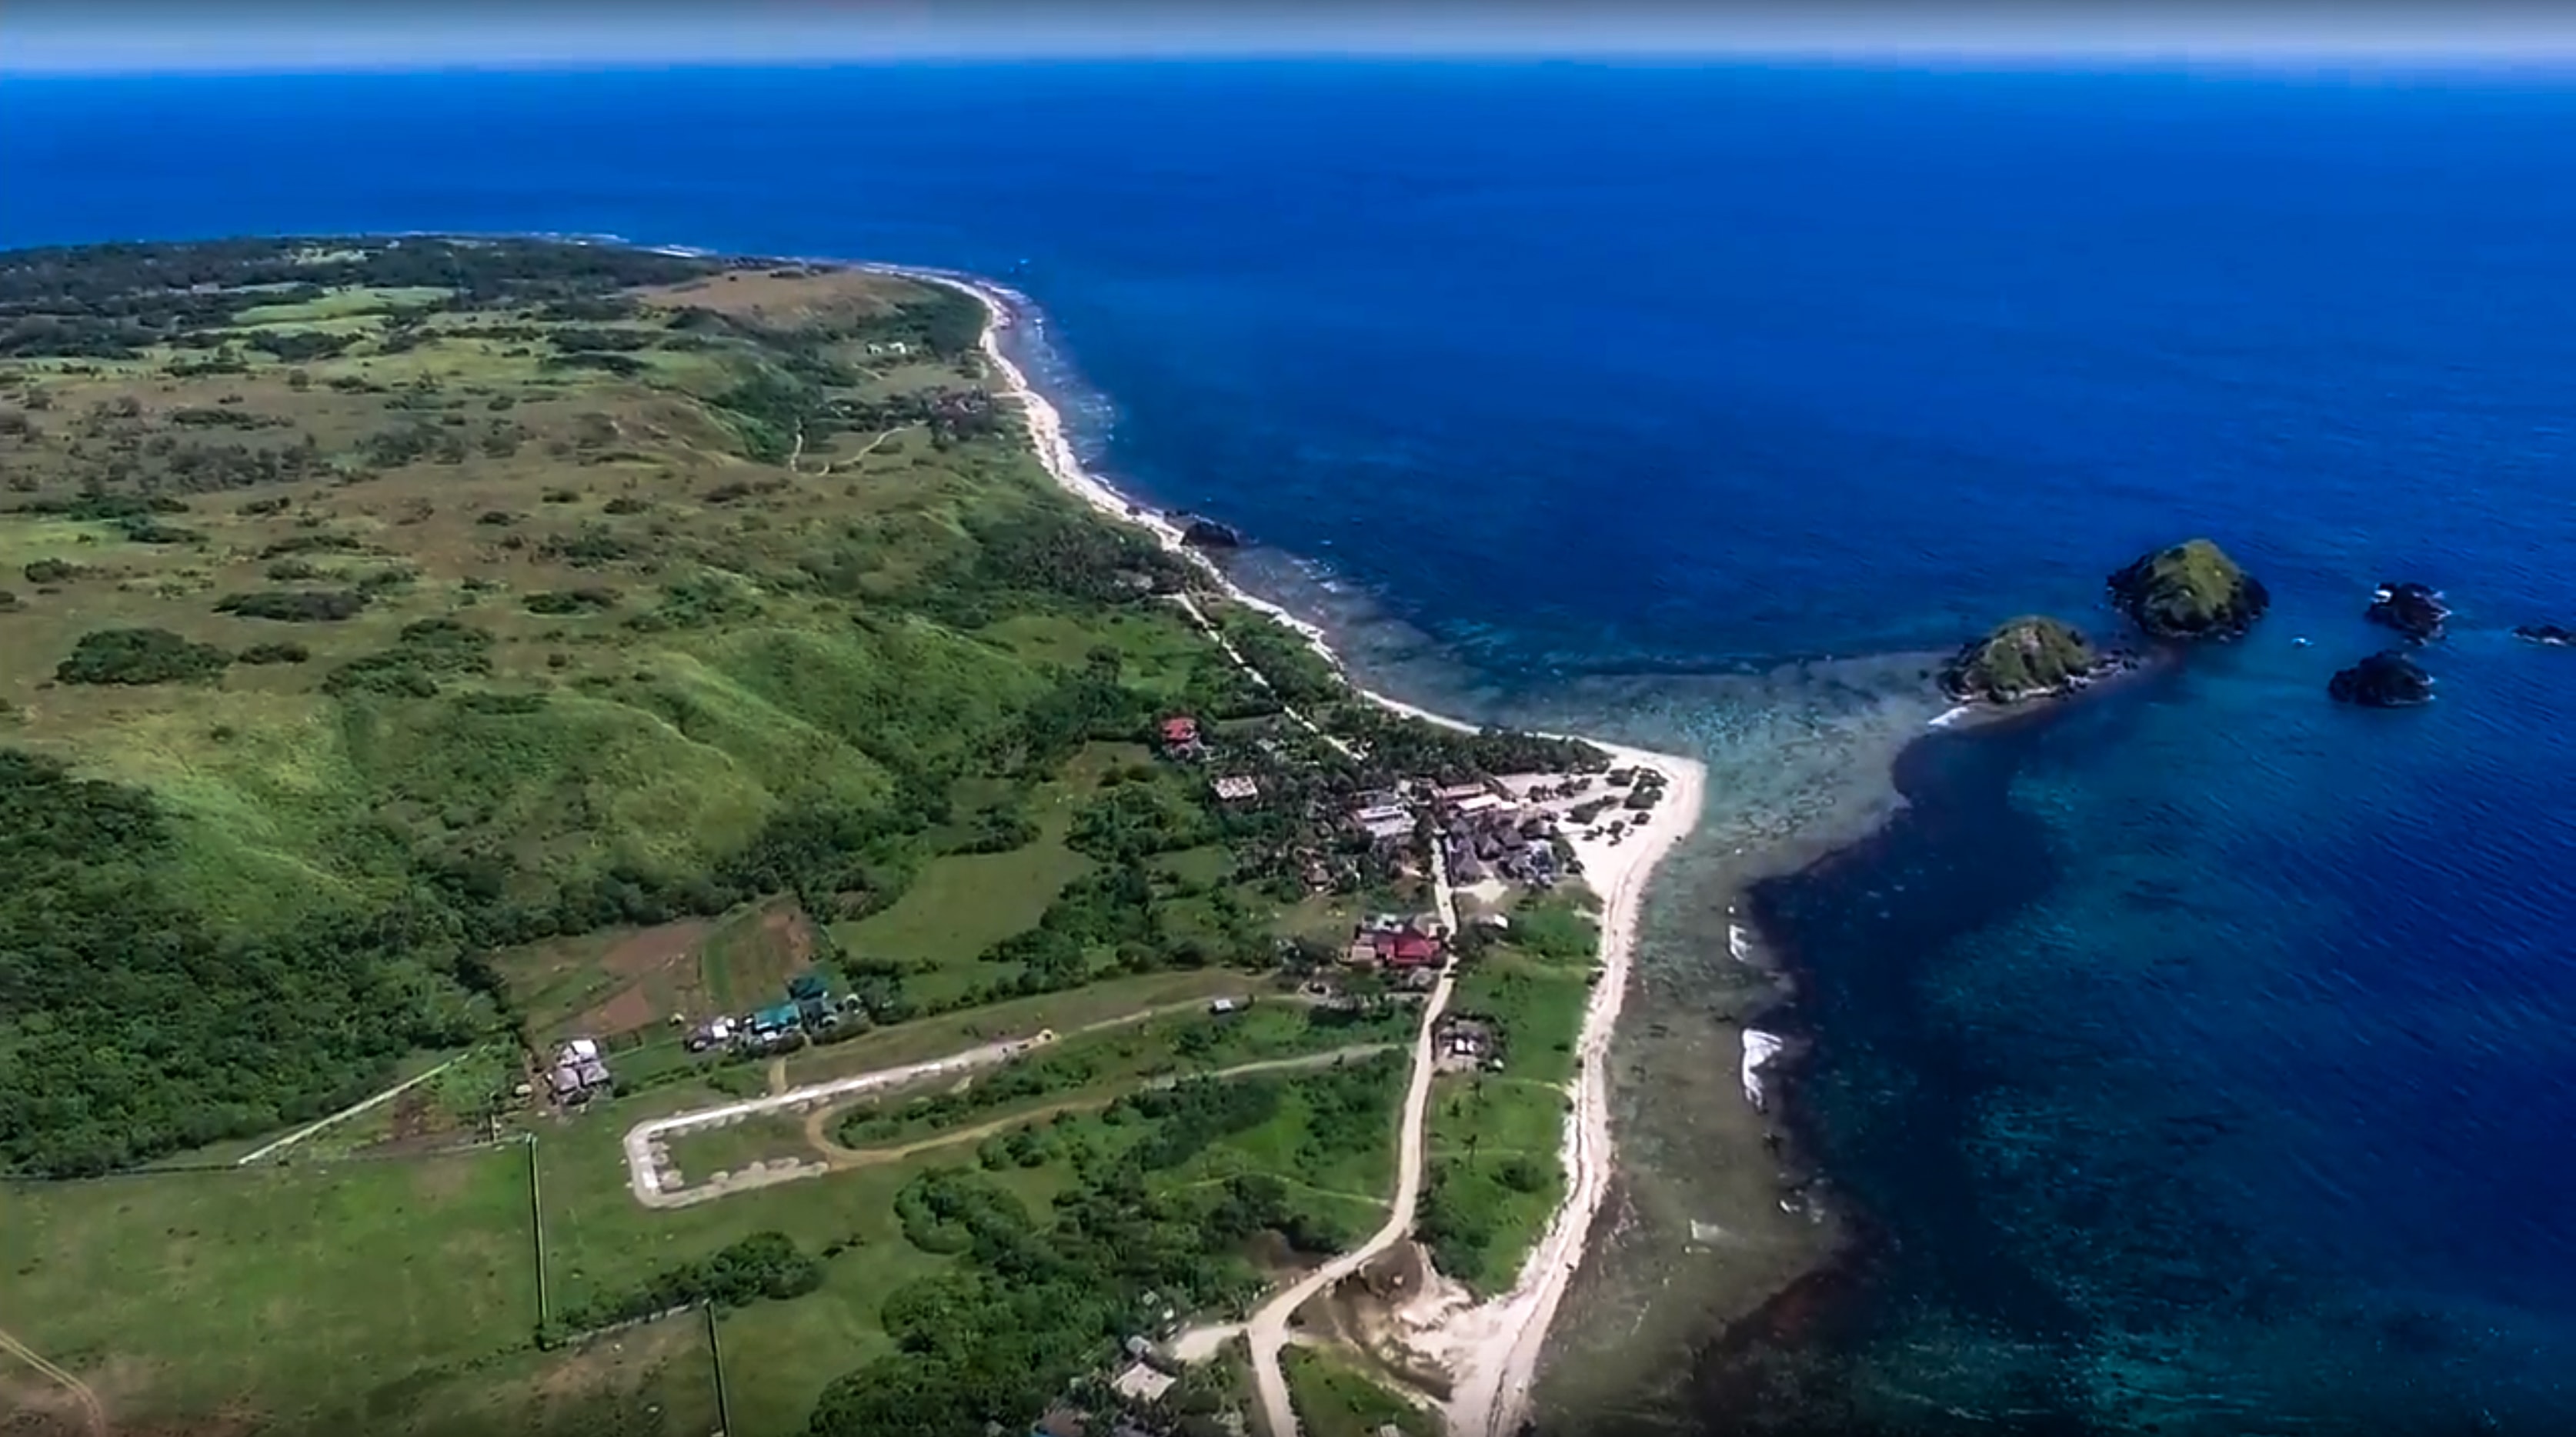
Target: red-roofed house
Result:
[1407, 950]
[1181, 735]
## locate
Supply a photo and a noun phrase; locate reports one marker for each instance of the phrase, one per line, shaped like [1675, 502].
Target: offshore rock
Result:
[2385, 680]
[2190, 591]
[2411, 609]
[1209, 534]
[2551, 635]
[2030, 657]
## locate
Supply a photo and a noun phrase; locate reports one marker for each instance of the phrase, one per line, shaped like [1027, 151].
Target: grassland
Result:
[1335, 1399]
[1495, 1174]
[306, 1295]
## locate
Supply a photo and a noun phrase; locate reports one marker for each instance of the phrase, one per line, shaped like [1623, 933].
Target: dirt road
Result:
[351, 1111]
[1267, 1329]
[93, 1415]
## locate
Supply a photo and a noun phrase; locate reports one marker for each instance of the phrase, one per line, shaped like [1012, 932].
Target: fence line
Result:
[715, 1358]
[537, 1233]
[475, 1145]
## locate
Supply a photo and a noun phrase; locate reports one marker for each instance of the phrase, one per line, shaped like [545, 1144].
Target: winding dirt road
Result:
[1267, 1330]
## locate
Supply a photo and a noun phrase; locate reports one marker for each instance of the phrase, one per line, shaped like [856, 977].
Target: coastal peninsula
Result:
[741, 849]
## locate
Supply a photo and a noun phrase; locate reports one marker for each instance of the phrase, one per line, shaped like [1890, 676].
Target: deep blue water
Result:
[2205, 1041]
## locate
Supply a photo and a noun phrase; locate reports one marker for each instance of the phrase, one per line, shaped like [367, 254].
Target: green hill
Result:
[483, 615]
[2024, 658]
[2192, 590]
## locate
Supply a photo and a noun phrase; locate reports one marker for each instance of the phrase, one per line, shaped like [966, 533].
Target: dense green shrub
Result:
[139, 656]
[764, 1266]
[295, 606]
[285, 653]
[571, 601]
[426, 651]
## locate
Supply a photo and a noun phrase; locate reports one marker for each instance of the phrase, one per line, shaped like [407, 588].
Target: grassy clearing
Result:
[746, 961]
[1334, 1398]
[780, 1355]
[1094, 1070]
[343, 303]
[1332, 1141]
[304, 1294]
[657, 1380]
[960, 906]
[1495, 1136]
[1538, 1010]
[1495, 1176]
[603, 984]
[1064, 1012]
[701, 1153]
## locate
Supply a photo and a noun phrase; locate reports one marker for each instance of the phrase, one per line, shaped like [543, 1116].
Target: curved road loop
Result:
[643, 1142]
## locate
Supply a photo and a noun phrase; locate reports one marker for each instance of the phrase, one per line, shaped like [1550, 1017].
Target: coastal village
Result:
[1427, 860]
[1150, 944]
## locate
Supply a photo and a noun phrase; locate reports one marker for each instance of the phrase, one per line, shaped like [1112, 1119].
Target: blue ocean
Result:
[2197, 1058]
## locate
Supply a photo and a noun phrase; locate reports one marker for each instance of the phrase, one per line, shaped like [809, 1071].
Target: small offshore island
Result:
[2190, 592]
[634, 831]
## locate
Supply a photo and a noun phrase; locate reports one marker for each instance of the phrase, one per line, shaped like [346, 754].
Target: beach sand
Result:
[1491, 1349]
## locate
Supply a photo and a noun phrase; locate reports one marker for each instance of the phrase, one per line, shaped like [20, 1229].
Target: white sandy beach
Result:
[1492, 1349]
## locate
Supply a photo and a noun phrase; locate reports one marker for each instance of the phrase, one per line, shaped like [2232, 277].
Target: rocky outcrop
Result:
[2030, 657]
[2411, 609]
[2385, 680]
[2549, 634]
[2190, 591]
[1209, 534]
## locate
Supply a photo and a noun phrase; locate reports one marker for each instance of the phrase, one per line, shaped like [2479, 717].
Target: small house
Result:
[1407, 949]
[806, 987]
[1180, 732]
[1237, 788]
[769, 1022]
[1138, 1382]
[1392, 828]
[578, 1071]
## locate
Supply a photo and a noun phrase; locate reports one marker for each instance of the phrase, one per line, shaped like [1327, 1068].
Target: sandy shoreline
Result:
[1491, 1349]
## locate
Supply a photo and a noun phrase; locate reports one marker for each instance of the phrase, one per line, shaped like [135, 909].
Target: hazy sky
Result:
[142, 35]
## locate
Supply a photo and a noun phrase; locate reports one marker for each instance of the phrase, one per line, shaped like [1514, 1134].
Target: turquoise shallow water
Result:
[2198, 1056]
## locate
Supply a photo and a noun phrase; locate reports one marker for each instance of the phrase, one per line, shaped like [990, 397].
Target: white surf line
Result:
[309, 1129]
[643, 1160]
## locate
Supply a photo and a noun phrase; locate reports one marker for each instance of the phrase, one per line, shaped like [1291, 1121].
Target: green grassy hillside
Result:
[407, 618]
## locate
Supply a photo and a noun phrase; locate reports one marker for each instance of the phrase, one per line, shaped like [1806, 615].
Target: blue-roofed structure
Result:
[774, 1020]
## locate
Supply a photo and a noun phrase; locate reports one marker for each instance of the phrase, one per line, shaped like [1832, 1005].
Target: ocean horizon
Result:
[2187, 1058]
